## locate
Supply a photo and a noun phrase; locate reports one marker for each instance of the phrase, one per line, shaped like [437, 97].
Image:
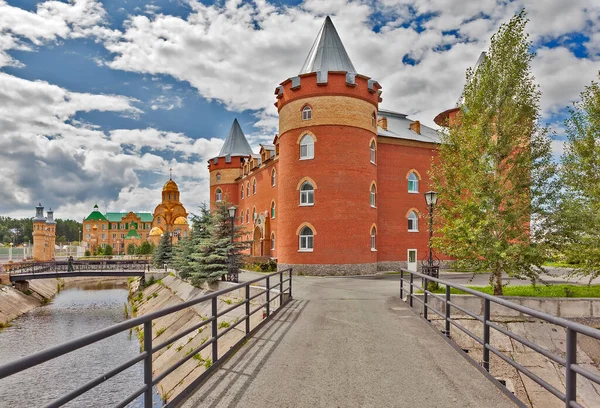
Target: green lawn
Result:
[592, 291]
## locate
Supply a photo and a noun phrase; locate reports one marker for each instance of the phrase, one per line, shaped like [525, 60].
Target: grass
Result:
[223, 325]
[160, 331]
[560, 264]
[574, 291]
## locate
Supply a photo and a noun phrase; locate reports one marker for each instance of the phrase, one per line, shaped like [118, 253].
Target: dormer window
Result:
[306, 113]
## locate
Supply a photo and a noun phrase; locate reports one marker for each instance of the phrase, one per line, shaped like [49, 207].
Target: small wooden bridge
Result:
[67, 269]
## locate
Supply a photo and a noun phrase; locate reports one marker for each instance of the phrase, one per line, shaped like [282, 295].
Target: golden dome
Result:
[155, 231]
[170, 186]
[180, 221]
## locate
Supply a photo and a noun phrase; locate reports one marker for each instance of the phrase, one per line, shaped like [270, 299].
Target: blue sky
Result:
[98, 99]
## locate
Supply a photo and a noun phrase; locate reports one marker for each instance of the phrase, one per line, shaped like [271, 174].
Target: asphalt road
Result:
[347, 342]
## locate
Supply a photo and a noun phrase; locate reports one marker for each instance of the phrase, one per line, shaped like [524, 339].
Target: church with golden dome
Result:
[120, 229]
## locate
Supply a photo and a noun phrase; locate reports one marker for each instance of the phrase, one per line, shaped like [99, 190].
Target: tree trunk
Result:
[497, 282]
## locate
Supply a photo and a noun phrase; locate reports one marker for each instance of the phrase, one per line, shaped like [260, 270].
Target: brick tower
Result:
[327, 128]
[227, 166]
[44, 235]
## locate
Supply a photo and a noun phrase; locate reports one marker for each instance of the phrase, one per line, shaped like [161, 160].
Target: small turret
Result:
[39, 213]
[50, 217]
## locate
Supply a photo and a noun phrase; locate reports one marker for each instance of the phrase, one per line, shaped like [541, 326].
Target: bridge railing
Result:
[572, 368]
[104, 265]
[284, 295]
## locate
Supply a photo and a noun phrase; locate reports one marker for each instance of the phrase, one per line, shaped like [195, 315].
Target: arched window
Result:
[373, 119]
[247, 216]
[307, 148]
[273, 209]
[373, 192]
[373, 236]
[413, 183]
[413, 222]
[273, 177]
[248, 189]
[254, 213]
[169, 196]
[306, 239]
[307, 194]
[254, 186]
[157, 221]
[373, 151]
[273, 241]
[242, 192]
[219, 195]
[306, 113]
[218, 176]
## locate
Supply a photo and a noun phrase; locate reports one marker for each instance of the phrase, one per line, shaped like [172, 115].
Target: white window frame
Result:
[373, 239]
[273, 241]
[254, 187]
[373, 149]
[306, 242]
[218, 177]
[305, 195]
[415, 183]
[373, 195]
[218, 195]
[308, 144]
[242, 191]
[248, 189]
[307, 113]
[273, 178]
[413, 222]
[273, 210]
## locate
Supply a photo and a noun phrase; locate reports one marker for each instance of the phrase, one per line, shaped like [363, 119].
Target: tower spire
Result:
[236, 143]
[328, 52]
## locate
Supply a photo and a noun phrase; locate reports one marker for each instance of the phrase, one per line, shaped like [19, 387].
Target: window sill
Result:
[306, 205]
[305, 250]
[413, 230]
[373, 250]
[307, 158]
[373, 206]
[373, 163]
[413, 192]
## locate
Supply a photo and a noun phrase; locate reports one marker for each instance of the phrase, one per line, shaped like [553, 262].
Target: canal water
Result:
[79, 309]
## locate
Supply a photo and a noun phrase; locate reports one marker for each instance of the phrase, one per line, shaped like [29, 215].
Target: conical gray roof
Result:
[236, 143]
[328, 52]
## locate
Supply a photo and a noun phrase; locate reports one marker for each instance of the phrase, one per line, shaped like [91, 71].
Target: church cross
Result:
[171, 173]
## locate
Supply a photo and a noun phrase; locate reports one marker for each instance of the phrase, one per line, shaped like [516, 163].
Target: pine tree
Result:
[214, 255]
[578, 216]
[162, 253]
[182, 257]
[494, 166]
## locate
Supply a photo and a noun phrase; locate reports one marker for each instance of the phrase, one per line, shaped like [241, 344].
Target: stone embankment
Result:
[14, 303]
[171, 291]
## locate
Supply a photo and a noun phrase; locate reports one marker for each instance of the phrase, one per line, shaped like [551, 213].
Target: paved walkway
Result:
[345, 342]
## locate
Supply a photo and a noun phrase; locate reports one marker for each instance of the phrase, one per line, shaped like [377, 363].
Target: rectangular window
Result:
[122, 236]
[373, 242]
[114, 226]
[413, 225]
[103, 236]
[114, 236]
[104, 226]
[307, 197]
[413, 186]
[87, 236]
[87, 227]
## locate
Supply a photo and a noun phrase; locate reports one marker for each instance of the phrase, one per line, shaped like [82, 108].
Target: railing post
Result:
[410, 290]
[215, 351]
[571, 376]
[486, 334]
[268, 297]
[290, 283]
[148, 364]
[247, 309]
[280, 289]
[425, 284]
[401, 283]
[447, 311]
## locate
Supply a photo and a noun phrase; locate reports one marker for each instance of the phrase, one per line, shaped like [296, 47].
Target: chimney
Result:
[416, 127]
[382, 123]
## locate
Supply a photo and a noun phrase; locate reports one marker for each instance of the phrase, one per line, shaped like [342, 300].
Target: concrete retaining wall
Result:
[560, 307]
[14, 303]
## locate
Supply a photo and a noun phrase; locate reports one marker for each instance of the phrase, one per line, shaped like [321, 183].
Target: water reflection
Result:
[79, 309]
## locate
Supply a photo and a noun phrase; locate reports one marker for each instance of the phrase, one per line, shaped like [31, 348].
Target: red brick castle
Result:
[340, 190]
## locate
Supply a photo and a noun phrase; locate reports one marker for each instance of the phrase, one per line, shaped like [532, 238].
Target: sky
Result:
[99, 99]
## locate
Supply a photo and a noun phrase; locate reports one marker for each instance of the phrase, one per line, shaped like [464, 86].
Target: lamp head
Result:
[232, 211]
[431, 198]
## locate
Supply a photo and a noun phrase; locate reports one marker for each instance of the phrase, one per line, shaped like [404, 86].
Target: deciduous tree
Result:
[494, 166]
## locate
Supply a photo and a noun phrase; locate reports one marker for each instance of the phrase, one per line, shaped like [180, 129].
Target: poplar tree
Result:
[578, 216]
[494, 166]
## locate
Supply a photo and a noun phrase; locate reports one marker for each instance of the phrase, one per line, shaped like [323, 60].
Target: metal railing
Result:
[106, 265]
[572, 369]
[41, 357]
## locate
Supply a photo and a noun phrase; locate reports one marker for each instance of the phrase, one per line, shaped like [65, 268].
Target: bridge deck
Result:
[347, 342]
[52, 275]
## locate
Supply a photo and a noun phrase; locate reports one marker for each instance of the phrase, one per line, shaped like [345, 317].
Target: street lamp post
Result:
[233, 274]
[432, 268]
